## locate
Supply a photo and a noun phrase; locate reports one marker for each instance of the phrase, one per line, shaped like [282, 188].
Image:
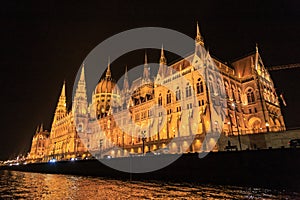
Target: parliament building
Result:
[196, 97]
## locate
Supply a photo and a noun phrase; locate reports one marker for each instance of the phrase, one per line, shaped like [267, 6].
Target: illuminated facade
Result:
[241, 94]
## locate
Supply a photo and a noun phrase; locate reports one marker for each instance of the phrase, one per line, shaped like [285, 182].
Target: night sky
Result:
[44, 43]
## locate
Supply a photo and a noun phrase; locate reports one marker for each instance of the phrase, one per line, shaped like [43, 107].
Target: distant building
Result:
[242, 95]
[39, 145]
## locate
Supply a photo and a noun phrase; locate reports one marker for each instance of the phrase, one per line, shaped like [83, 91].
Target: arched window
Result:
[227, 89]
[199, 86]
[188, 90]
[250, 95]
[233, 92]
[178, 94]
[159, 100]
[80, 128]
[239, 94]
[169, 97]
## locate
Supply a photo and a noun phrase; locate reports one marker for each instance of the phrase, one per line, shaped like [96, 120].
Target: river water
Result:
[23, 185]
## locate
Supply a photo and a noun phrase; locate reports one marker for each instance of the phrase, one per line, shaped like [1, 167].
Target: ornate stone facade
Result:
[119, 122]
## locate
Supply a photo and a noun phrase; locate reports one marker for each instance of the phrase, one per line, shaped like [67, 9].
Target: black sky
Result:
[44, 43]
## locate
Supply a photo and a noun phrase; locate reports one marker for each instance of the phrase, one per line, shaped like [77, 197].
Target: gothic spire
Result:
[146, 73]
[126, 84]
[162, 63]
[61, 108]
[79, 105]
[256, 56]
[63, 91]
[37, 129]
[199, 38]
[162, 59]
[41, 128]
[82, 73]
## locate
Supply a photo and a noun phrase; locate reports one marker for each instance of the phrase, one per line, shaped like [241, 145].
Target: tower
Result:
[80, 103]
[199, 43]
[125, 83]
[146, 73]
[103, 94]
[162, 64]
[61, 108]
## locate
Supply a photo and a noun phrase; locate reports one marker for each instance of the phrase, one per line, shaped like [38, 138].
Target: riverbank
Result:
[271, 168]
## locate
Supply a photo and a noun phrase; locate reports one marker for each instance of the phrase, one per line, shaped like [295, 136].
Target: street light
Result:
[237, 125]
[267, 125]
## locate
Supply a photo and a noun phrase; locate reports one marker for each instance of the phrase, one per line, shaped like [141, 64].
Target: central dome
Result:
[106, 85]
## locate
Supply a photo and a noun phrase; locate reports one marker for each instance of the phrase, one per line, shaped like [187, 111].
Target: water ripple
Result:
[22, 185]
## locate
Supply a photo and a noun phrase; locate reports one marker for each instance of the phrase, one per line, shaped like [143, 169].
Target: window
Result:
[201, 102]
[150, 113]
[250, 95]
[168, 97]
[143, 115]
[189, 106]
[233, 92]
[227, 89]
[178, 94]
[137, 116]
[219, 87]
[188, 90]
[160, 100]
[199, 86]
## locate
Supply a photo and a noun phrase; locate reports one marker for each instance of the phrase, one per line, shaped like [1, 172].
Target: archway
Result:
[255, 124]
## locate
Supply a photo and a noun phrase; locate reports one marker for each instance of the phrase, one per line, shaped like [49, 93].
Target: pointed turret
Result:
[199, 38]
[41, 128]
[162, 64]
[82, 76]
[162, 59]
[63, 91]
[37, 129]
[256, 56]
[146, 73]
[61, 108]
[199, 44]
[126, 83]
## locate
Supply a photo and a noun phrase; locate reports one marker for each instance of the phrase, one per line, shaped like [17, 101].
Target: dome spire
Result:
[146, 60]
[108, 72]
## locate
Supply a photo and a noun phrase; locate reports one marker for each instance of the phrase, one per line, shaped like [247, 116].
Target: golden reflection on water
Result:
[52, 186]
